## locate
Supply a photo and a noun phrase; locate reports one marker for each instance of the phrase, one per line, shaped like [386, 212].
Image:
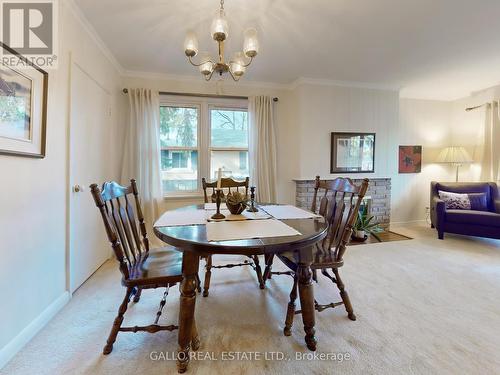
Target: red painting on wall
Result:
[410, 159]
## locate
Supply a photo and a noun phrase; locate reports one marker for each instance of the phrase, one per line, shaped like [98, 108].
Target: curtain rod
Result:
[476, 107]
[202, 95]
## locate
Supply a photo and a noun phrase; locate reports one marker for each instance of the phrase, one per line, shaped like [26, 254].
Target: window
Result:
[179, 148]
[229, 142]
[199, 136]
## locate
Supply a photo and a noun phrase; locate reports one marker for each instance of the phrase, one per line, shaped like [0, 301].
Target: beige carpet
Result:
[424, 306]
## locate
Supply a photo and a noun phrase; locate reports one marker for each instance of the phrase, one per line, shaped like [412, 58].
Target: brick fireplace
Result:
[378, 196]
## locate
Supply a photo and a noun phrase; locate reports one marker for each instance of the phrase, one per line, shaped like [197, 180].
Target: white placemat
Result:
[245, 215]
[246, 229]
[182, 217]
[210, 206]
[289, 212]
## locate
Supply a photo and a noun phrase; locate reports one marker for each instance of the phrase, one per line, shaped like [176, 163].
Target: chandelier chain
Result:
[222, 4]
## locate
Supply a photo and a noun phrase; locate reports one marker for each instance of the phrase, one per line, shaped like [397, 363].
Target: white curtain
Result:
[141, 157]
[262, 147]
[490, 167]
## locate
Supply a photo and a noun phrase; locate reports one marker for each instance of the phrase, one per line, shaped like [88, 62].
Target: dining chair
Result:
[141, 267]
[339, 204]
[228, 184]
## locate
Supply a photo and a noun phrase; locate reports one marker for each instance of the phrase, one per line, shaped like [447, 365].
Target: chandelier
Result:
[236, 67]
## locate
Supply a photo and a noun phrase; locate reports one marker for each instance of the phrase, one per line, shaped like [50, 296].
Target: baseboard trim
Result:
[18, 342]
[399, 223]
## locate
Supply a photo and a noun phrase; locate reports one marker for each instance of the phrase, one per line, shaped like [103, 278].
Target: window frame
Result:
[204, 149]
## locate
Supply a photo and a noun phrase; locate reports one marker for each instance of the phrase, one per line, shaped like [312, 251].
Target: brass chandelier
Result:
[236, 67]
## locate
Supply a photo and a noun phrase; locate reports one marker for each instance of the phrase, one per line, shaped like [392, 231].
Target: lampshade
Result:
[191, 45]
[237, 65]
[454, 155]
[220, 27]
[251, 43]
[206, 66]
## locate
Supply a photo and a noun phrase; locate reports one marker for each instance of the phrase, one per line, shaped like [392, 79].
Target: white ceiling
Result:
[439, 49]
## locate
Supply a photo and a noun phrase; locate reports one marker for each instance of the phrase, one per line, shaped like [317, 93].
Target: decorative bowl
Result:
[236, 209]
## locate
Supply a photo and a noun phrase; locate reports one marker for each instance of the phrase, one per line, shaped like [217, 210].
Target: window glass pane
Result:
[178, 126]
[179, 170]
[229, 128]
[233, 164]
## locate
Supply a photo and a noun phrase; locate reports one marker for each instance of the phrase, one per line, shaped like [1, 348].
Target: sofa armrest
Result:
[437, 211]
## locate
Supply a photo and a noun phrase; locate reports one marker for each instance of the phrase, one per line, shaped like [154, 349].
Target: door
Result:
[90, 161]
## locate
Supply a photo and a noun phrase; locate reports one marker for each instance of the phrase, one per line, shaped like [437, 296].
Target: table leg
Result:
[188, 335]
[306, 295]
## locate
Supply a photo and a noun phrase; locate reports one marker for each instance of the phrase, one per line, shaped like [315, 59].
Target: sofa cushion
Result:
[467, 188]
[478, 201]
[455, 201]
[485, 218]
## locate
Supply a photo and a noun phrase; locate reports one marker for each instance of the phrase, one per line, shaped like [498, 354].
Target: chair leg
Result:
[137, 296]
[117, 323]
[258, 270]
[208, 274]
[269, 265]
[290, 313]
[198, 283]
[344, 295]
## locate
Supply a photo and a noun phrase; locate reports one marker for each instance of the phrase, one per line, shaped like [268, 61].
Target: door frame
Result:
[73, 64]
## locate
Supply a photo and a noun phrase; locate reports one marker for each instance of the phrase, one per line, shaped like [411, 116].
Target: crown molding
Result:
[199, 79]
[77, 12]
[270, 85]
[354, 84]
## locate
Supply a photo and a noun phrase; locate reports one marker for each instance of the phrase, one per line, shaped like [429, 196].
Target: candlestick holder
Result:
[218, 215]
[252, 207]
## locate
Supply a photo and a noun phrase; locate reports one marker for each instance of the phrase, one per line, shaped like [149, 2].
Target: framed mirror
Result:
[352, 152]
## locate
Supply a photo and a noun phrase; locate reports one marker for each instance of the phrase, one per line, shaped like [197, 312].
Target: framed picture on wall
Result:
[352, 153]
[410, 159]
[23, 107]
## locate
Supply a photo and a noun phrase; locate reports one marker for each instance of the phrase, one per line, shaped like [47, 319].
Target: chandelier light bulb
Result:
[238, 64]
[206, 66]
[191, 45]
[251, 43]
[220, 27]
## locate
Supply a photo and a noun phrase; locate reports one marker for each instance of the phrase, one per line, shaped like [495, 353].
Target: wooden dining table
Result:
[192, 241]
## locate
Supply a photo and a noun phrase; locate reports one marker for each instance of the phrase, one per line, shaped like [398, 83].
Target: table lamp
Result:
[456, 155]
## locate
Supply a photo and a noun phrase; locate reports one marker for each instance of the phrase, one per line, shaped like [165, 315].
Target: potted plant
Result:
[364, 227]
[236, 202]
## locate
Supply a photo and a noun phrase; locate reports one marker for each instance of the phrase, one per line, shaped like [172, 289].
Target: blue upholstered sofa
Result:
[467, 222]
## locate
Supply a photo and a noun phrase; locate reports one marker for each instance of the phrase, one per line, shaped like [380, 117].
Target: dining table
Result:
[193, 242]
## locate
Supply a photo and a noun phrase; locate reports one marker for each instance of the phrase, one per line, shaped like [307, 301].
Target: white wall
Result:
[425, 123]
[33, 200]
[326, 109]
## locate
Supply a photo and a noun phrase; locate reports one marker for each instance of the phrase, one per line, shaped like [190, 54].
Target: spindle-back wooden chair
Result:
[339, 204]
[141, 267]
[230, 185]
